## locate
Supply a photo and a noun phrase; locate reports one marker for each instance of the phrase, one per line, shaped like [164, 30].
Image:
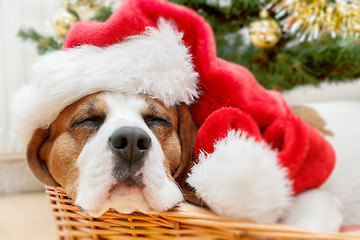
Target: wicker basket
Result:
[185, 222]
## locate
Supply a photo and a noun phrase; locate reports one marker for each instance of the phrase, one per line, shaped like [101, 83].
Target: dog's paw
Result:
[242, 179]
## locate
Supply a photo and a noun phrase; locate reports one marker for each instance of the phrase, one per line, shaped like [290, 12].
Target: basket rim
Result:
[190, 215]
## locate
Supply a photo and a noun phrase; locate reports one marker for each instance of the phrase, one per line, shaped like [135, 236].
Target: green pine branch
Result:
[102, 14]
[44, 44]
[308, 62]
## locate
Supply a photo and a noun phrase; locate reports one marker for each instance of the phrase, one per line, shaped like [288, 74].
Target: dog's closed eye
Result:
[94, 121]
[153, 120]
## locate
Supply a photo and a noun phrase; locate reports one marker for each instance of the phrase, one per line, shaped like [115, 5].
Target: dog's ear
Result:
[187, 134]
[36, 165]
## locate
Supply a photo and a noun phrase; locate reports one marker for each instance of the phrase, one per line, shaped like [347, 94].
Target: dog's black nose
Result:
[130, 144]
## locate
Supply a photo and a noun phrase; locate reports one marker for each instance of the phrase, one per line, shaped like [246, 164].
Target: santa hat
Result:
[155, 62]
[247, 132]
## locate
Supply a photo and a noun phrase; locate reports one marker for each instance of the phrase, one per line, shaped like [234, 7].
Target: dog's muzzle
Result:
[129, 145]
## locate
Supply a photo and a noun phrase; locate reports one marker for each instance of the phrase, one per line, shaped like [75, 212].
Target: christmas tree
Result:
[283, 43]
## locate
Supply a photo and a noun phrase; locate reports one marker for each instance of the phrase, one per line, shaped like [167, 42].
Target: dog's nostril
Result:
[143, 143]
[118, 142]
[121, 144]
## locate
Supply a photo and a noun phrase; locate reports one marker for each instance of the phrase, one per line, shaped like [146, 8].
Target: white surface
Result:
[331, 102]
[26, 216]
[15, 176]
[324, 92]
[342, 118]
[315, 210]
[337, 201]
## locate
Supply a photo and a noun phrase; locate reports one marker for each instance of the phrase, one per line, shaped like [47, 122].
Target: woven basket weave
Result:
[184, 222]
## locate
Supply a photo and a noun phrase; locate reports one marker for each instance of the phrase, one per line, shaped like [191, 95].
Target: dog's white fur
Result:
[242, 179]
[155, 63]
[95, 165]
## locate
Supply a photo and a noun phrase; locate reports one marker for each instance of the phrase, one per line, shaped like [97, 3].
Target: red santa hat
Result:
[237, 117]
[155, 62]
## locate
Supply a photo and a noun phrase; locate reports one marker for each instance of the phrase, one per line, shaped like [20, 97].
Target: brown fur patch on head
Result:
[177, 137]
[68, 134]
[310, 116]
[163, 122]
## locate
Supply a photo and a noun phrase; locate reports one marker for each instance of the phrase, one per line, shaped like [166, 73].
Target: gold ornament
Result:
[307, 19]
[265, 32]
[63, 19]
[75, 10]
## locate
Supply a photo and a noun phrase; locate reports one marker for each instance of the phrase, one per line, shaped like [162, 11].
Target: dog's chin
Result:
[124, 199]
[127, 199]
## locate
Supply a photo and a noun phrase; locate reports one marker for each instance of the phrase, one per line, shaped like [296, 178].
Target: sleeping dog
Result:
[118, 134]
[116, 150]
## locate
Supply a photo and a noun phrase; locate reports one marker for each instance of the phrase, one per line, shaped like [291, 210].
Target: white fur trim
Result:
[242, 179]
[155, 63]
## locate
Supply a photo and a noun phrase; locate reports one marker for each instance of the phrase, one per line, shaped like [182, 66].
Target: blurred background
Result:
[25, 213]
[16, 58]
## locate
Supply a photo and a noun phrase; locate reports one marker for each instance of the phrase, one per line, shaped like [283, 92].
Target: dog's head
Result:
[114, 150]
